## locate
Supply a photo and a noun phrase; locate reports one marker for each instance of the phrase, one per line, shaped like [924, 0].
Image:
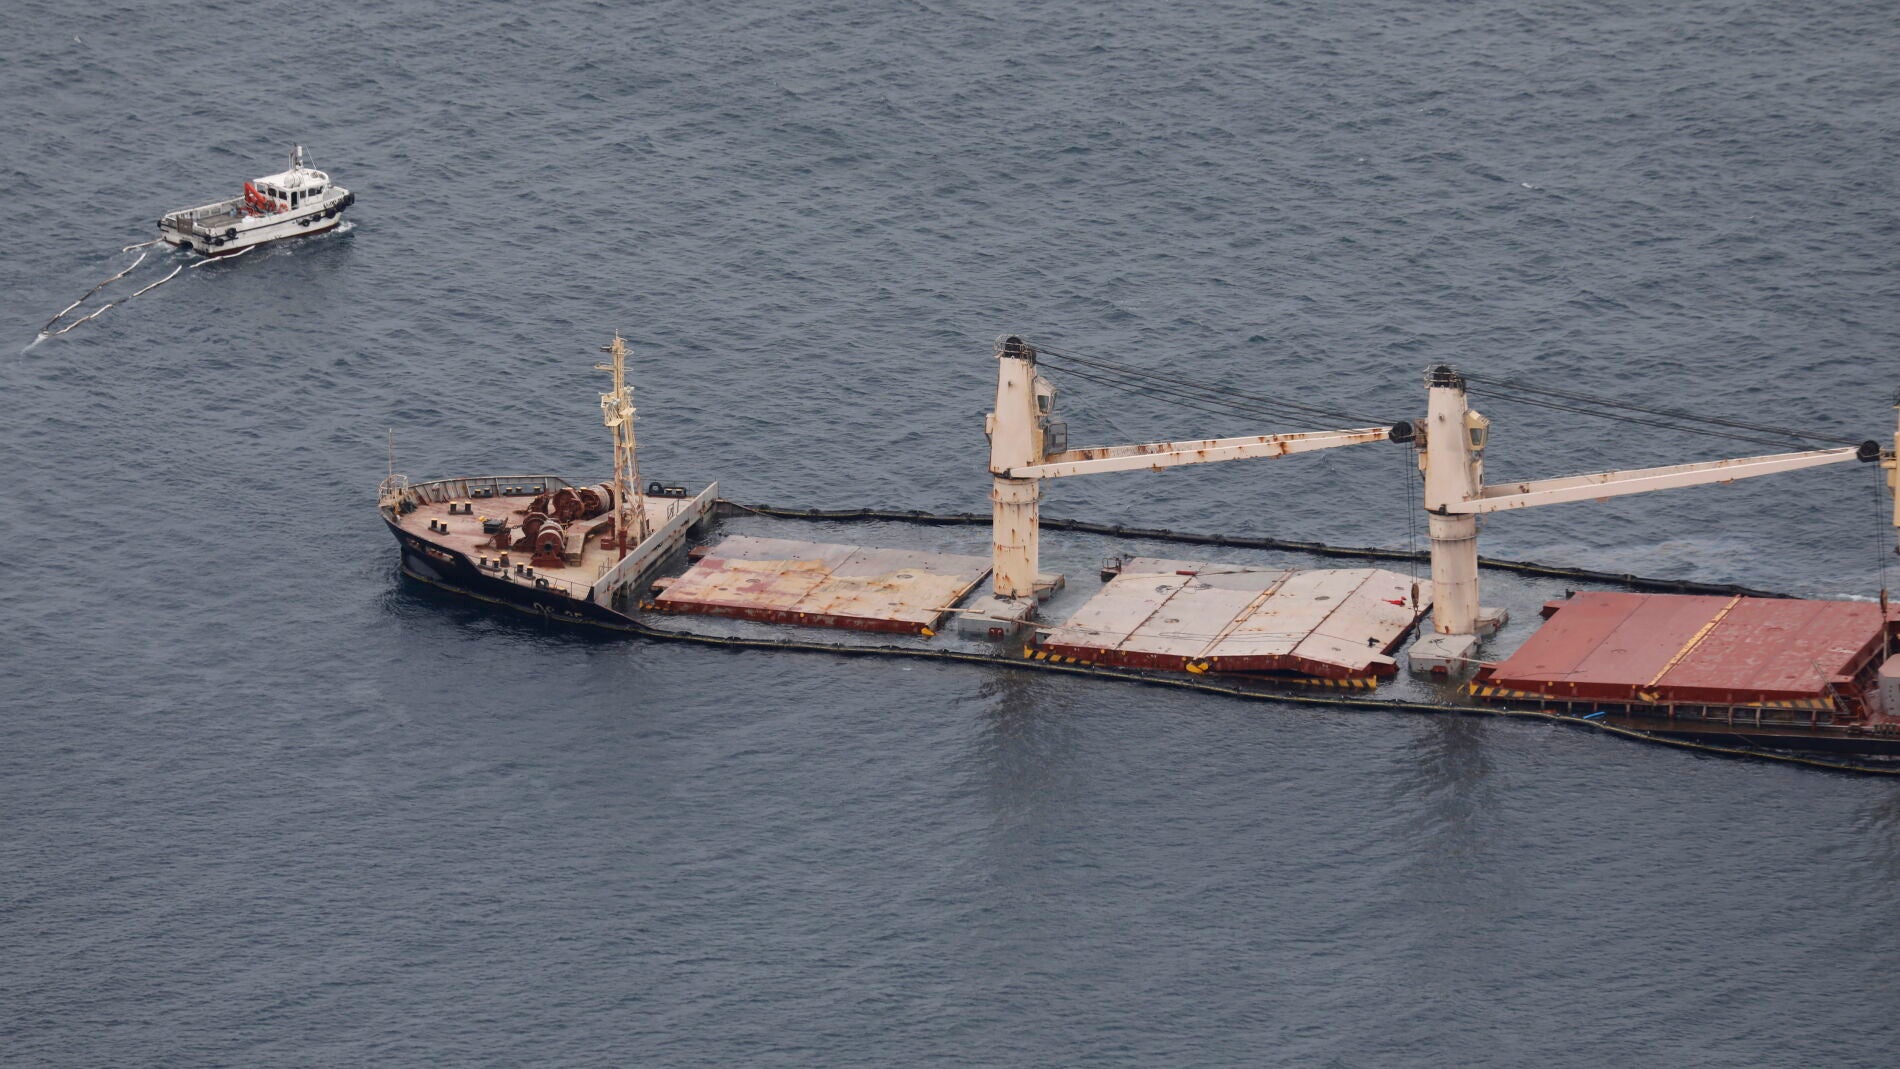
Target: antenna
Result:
[393, 487]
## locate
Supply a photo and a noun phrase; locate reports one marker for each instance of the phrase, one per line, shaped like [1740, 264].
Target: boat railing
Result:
[186, 218]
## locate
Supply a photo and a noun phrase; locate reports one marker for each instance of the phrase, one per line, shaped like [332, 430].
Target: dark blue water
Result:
[264, 803]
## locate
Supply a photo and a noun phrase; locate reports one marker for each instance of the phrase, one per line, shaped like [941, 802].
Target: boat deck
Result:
[433, 522]
[1179, 614]
[208, 217]
[824, 584]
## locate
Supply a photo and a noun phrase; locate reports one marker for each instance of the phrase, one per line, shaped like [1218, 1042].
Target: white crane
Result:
[1022, 432]
[1451, 456]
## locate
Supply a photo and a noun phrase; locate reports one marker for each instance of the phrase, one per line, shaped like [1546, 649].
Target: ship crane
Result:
[1451, 456]
[1027, 445]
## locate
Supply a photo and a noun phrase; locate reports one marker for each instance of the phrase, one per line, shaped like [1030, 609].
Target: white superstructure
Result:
[296, 201]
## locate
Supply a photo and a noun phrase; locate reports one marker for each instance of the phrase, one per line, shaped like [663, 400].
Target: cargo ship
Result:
[566, 552]
[1734, 669]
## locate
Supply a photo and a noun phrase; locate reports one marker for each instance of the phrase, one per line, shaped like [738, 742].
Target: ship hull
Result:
[1821, 739]
[447, 569]
[1817, 738]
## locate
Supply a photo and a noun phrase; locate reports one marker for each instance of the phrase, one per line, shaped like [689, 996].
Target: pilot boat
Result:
[294, 202]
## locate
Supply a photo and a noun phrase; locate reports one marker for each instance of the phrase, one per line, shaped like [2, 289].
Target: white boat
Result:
[292, 203]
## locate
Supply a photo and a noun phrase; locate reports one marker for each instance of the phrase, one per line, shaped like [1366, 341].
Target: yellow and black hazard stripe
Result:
[1486, 690]
[1341, 683]
[1809, 704]
[1034, 654]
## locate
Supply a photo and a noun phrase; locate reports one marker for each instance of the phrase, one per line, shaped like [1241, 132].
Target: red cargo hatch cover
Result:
[1693, 648]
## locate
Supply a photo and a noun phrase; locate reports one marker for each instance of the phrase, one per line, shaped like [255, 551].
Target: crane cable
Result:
[1174, 383]
[1608, 408]
[1190, 398]
[1173, 389]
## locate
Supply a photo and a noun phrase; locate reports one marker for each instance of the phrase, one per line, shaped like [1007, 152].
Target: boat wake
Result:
[60, 324]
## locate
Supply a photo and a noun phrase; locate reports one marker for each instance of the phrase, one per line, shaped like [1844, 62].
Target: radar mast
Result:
[617, 412]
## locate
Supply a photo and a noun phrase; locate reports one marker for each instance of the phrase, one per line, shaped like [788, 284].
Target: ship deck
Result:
[432, 521]
[824, 584]
[1174, 614]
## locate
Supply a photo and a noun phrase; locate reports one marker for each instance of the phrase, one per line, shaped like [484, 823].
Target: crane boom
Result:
[1603, 484]
[1026, 447]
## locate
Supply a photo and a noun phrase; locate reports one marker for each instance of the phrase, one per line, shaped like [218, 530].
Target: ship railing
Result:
[482, 488]
[628, 570]
[572, 588]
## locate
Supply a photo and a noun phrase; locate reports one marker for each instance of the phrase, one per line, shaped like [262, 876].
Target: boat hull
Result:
[250, 239]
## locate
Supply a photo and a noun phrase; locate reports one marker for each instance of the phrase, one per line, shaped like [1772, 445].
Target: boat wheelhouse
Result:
[294, 202]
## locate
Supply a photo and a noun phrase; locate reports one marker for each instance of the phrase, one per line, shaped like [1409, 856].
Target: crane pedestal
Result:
[998, 617]
[1440, 654]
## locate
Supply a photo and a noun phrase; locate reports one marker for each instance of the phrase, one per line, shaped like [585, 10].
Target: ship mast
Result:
[616, 411]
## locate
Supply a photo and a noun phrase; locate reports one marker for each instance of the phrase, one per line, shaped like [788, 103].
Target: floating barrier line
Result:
[972, 519]
[47, 331]
[96, 314]
[160, 282]
[63, 311]
[48, 328]
[1195, 683]
[226, 256]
